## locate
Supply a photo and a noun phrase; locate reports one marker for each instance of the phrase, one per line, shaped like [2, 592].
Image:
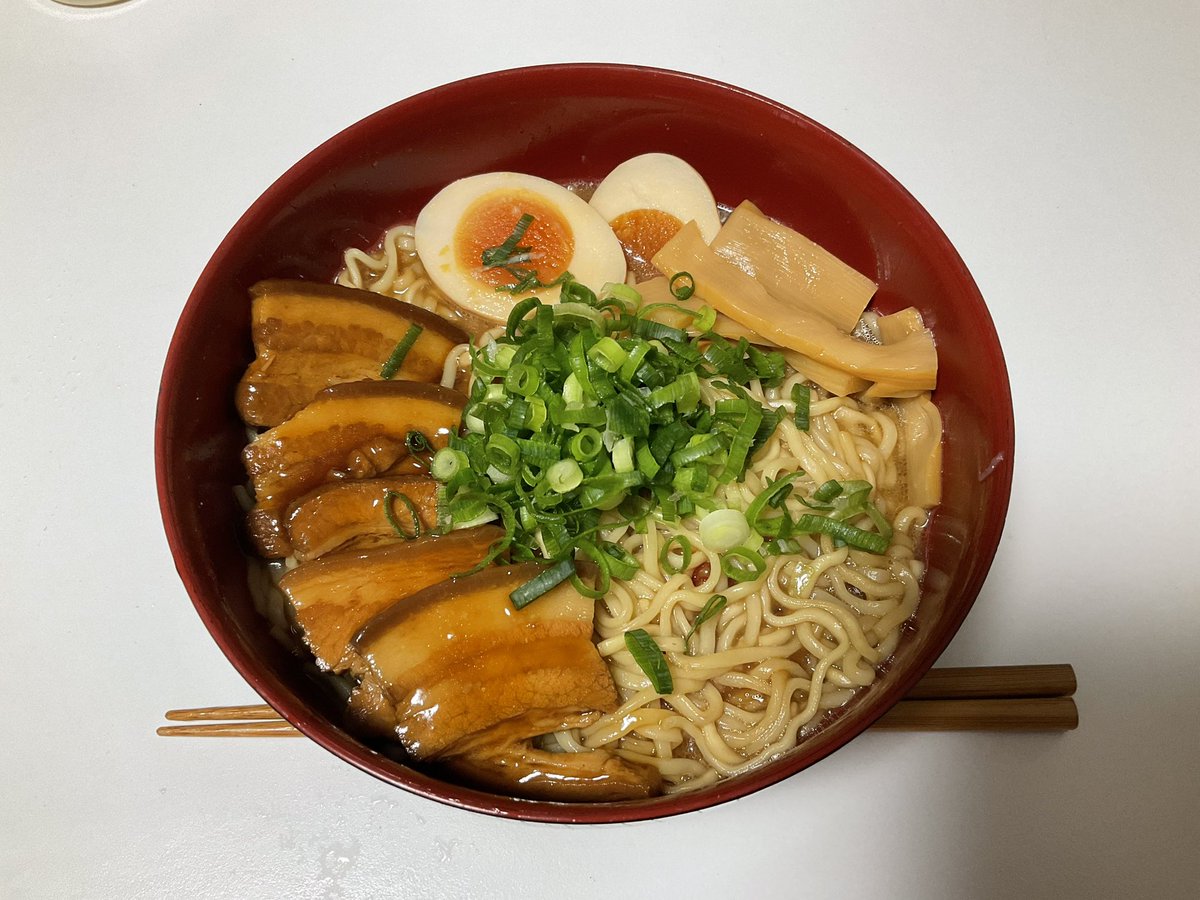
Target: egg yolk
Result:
[490, 220]
[643, 232]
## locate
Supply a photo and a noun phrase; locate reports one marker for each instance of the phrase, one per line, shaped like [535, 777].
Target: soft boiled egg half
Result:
[475, 214]
[648, 198]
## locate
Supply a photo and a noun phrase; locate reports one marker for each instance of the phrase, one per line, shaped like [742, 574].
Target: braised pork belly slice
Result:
[336, 595]
[522, 770]
[350, 515]
[349, 431]
[457, 659]
[309, 336]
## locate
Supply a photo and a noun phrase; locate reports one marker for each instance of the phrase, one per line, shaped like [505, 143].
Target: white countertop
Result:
[1055, 143]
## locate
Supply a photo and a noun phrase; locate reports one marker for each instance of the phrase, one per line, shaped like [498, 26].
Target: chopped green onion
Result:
[444, 520]
[574, 292]
[396, 359]
[770, 367]
[697, 449]
[711, 608]
[583, 415]
[623, 564]
[622, 292]
[498, 476]
[542, 583]
[502, 254]
[572, 391]
[503, 453]
[522, 379]
[827, 491]
[724, 529]
[777, 500]
[510, 257]
[628, 416]
[586, 445]
[417, 443]
[622, 455]
[517, 315]
[683, 285]
[538, 453]
[584, 311]
[503, 357]
[664, 555]
[651, 330]
[603, 567]
[608, 354]
[567, 382]
[802, 397]
[536, 418]
[389, 498]
[650, 659]
[743, 564]
[447, 463]
[509, 519]
[731, 408]
[606, 491]
[690, 479]
[706, 319]
[764, 500]
[843, 531]
[743, 440]
[474, 424]
[882, 525]
[633, 361]
[564, 476]
[646, 462]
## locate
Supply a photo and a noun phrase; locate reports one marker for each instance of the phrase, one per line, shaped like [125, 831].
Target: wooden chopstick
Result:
[255, 711]
[985, 698]
[994, 714]
[265, 728]
[985, 682]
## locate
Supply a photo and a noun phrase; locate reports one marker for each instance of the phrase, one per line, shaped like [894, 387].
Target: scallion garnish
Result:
[603, 564]
[872, 542]
[509, 256]
[503, 254]
[447, 463]
[743, 564]
[622, 564]
[396, 359]
[664, 555]
[650, 659]
[389, 499]
[706, 320]
[711, 608]
[802, 397]
[683, 285]
[544, 581]
[723, 529]
[587, 406]
[827, 491]
[564, 476]
[417, 443]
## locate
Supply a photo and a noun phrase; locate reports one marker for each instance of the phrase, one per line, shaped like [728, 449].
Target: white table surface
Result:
[1056, 143]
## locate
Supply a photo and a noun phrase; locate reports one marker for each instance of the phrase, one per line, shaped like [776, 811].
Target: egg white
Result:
[663, 182]
[596, 260]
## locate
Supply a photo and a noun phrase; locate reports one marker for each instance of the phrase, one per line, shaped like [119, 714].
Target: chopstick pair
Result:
[987, 698]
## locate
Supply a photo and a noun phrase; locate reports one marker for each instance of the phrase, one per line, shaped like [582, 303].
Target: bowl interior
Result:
[569, 123]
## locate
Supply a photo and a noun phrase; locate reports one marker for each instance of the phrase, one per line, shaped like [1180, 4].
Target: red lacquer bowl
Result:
[568, 123]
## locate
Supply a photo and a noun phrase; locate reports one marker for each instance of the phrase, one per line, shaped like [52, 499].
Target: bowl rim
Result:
[339, 742]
